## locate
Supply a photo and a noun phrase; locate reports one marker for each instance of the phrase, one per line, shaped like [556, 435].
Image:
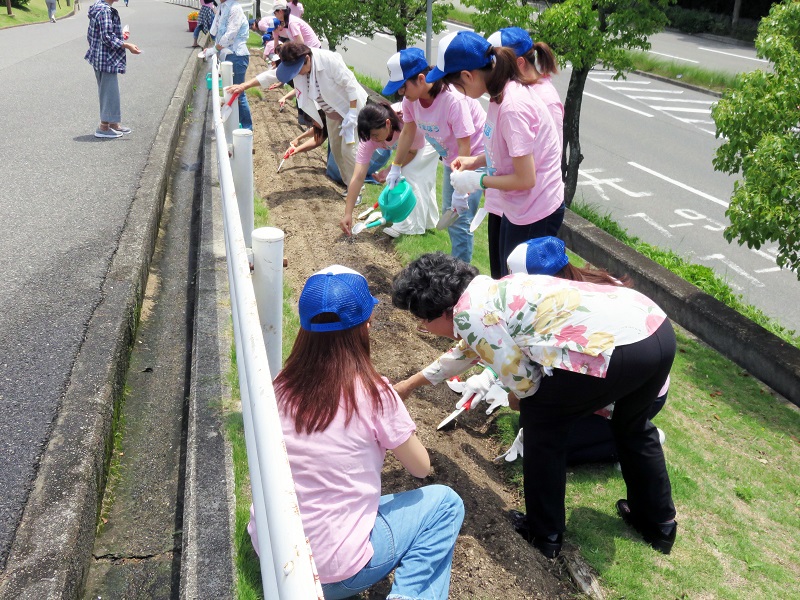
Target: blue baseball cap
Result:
[338, 290]
[287, 71]
[460, 51]
[402, 66]
[539, 256]
[515, 38]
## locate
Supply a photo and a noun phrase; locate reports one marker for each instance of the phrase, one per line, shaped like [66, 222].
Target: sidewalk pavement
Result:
[80, 218]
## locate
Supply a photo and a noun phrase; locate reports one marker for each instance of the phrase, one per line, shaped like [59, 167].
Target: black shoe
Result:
[660, 536]
[549, 545]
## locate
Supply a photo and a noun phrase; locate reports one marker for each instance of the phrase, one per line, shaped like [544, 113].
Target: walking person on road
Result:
[107, 55]
[231, 30]
[339, 417]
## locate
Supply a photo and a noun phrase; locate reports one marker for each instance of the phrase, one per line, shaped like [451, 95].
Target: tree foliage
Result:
[405, 20]
[760, 119]
[585, 33]
[494, 15]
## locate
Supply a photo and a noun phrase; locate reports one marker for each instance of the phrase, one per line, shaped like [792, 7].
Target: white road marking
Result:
[352, 39]
[609, 80]
[386, 37]
[679, 184]
[598, 184]
[656, 98]
[682, 225]
[732, 54]
[770, 270]
[769, 257]
[649, 221]
[683, 109]
[630, 89]
[697, 62]
[733, 267]
[456, 25]
[640, 112]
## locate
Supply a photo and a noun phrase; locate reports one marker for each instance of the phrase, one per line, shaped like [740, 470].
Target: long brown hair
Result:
[541, 52]
[592, 275]
[326, 372]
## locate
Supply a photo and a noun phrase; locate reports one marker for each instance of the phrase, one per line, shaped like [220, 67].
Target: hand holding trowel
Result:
[289, 151]
[227, 109]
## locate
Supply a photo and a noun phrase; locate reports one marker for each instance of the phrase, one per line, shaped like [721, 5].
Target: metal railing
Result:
[287, 566]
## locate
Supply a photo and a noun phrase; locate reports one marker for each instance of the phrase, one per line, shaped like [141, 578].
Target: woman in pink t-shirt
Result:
[522, 155]
[453, 125]
[339, 416]
[293, 28]
[379, 126]
[538, 62]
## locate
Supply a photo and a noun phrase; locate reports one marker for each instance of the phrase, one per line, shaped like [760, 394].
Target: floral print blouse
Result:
[523, 326]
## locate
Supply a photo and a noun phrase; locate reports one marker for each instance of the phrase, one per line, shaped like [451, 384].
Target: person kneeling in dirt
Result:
[591, 439]
[339, 416]
[563, 349]
[379, 127]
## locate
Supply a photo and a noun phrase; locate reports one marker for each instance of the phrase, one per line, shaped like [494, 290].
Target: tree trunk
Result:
[8, 7]
[571, 157]
[258, 10]
[401, 41]
[737, 9]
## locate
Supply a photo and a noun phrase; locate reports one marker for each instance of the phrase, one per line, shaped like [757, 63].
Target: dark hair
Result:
[291, 51]
[437, 87]
[501, 68]
[432, 284]
[592, 275]
[548, 65]
[287, 12]
[373, 116]
[320, 133]
[327, 371]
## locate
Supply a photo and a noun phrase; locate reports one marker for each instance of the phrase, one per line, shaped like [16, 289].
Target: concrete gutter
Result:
[50, 555]
[763, 354]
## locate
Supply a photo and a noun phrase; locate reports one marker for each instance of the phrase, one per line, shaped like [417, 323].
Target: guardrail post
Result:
[242, 168]
[226, 72]
[268, 287]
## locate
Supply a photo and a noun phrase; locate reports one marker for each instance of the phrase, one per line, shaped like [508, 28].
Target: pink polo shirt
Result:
[337, 477]
[545, 89]
[518, 126]
[299, 27]
[450, 117]
[366, 149]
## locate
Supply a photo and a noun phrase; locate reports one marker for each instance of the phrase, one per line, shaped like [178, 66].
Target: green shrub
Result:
[691, 21]
[19, 3]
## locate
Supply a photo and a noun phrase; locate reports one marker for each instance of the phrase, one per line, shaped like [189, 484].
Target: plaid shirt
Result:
[205, 18]
[105, 39]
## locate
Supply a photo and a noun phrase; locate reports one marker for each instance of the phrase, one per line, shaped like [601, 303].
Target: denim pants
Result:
[415, 532]
[108, 90]
[239, 70]
[460, 236]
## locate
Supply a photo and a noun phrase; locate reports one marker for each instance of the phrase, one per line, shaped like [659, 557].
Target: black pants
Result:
[511, 236]
[635, 376]
[495, 260]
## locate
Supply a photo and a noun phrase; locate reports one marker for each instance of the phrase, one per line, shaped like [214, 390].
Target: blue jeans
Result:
[460, 237]
[415, 532]
[239, 70]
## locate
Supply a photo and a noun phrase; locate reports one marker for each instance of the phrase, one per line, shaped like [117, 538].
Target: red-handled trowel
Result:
[227, 109]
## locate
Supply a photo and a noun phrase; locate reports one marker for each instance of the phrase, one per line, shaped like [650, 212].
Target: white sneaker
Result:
[107, 133]
[391, 232]
[662, 437]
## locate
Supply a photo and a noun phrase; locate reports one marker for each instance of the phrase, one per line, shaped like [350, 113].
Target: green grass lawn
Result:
[34, 12]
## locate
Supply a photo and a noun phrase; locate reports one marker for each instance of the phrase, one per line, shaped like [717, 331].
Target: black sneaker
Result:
[549, 545]
[661, 536]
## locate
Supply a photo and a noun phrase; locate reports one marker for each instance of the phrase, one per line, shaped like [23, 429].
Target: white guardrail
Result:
[287, 565]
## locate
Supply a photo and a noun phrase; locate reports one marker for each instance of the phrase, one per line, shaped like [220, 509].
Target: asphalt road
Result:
[63, 203]
[648, 148]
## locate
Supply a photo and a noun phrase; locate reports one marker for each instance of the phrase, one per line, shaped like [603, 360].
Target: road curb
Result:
[52, 547]
[763, 354]
[678, 82]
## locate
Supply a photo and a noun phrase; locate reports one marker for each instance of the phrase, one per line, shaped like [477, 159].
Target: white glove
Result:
[208, 53]
[514, 451]
[478, 386]
[393, 178]
[350, 119]
[497, 397]
[460, 203]
[465, 182]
